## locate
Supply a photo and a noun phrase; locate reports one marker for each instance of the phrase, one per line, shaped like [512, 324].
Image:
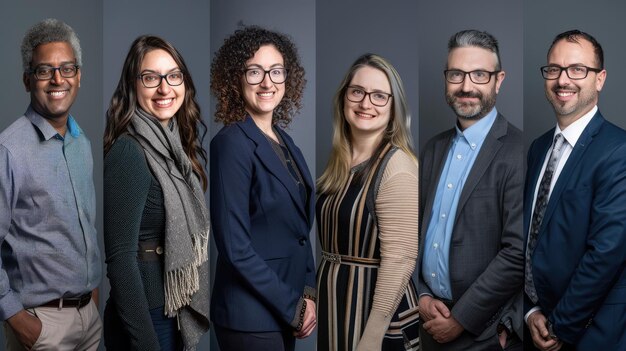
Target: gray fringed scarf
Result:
[186, 225]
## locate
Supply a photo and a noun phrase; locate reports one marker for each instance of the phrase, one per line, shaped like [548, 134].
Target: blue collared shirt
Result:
[49, 246]
[461, 156]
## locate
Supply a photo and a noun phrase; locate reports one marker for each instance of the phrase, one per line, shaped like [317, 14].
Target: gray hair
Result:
[475, 38]
[48, 31]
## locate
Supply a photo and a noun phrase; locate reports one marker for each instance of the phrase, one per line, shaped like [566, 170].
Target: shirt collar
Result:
[476, 133]
[46, 129]
[572, 132]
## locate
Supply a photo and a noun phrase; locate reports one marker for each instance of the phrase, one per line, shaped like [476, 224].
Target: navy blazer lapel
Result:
[304, 172]
[574, 158]
[487, 152]
[270, 160]
[440, 151]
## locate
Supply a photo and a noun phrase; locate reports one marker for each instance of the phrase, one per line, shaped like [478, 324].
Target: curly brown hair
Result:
[124, 102]
[228, 68]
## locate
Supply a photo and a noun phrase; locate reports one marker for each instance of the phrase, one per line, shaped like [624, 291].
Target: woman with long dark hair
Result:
[156, 223]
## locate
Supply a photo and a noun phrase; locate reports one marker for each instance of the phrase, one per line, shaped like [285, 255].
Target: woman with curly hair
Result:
[156, 224]
[261, 197]
[367, 217]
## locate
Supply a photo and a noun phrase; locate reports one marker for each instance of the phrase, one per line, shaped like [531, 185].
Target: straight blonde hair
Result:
[397, 133]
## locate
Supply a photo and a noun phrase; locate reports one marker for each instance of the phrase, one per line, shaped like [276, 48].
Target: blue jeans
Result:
[166, 329]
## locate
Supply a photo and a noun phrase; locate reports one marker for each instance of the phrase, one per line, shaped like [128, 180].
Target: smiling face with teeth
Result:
[363, 117]
[261, 99]
[163, 101]
[573, 98]
[471, 101]
[53, 98]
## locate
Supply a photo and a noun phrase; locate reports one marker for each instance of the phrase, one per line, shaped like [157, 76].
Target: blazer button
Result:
[302, 241]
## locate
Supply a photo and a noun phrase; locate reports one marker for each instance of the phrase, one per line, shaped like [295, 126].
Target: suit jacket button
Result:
[302, 241]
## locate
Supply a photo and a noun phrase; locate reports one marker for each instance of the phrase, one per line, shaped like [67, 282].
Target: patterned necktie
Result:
[543, 195]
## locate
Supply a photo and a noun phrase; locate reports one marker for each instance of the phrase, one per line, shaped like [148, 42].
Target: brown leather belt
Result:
[150, 250]
[70, 302]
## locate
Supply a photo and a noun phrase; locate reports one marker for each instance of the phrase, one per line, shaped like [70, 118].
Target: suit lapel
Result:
[272, 163]
[572, 162]
[534, 169]
[304, 172]
[487, 152]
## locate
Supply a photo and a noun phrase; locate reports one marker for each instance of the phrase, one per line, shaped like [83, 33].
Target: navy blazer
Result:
[261, 227]
[578, 263]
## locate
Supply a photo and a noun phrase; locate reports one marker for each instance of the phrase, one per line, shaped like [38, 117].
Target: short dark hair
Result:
[574, 36]
[476, 38]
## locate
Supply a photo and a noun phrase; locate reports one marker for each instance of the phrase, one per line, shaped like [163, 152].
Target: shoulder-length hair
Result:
[228, 67]
[124, 102]
[398, 131]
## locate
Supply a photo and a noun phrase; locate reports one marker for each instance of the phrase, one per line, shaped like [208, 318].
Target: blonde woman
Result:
[367, 212]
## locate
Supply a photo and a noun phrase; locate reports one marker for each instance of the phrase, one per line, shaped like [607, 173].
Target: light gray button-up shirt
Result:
[49, 246]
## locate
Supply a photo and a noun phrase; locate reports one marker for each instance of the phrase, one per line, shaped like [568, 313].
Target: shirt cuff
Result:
[10, 304]
[536, 308]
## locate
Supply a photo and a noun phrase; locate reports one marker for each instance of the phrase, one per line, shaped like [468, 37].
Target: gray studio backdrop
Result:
[345, 31]
[604, 19]
[437, 21]
[86, 19]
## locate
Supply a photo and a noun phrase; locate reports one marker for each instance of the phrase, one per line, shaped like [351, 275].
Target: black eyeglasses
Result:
[256, 75]
[456, 76]
[153, 80]
[575, 72]
[377, 98]
[45, 72]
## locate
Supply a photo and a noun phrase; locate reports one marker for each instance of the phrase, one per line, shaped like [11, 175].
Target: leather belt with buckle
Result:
[70, 302]
[150, 250]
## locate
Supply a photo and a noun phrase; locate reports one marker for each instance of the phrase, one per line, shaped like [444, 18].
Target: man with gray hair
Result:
[470, 266]
[50, 262]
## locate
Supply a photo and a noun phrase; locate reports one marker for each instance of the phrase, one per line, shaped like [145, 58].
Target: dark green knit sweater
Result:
[133, 211]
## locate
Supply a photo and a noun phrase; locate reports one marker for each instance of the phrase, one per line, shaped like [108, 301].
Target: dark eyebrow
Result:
[276, 65]
[153, 71]
[50, 65]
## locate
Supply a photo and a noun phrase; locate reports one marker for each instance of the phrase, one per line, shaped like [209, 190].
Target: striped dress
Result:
[366, 297]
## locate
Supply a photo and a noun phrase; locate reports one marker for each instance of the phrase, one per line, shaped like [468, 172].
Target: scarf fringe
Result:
[182, 283]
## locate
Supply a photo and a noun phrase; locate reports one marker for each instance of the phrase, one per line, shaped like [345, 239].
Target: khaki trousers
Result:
[62, 329]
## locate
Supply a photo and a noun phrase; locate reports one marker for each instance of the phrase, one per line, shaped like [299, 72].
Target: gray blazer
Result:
[486, 259]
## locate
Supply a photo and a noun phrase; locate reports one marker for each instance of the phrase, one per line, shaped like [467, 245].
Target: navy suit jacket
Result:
[578, 263]
[261, 227]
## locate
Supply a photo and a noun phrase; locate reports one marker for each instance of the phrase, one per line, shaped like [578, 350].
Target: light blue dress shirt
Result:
[461, 156]
[47, 214]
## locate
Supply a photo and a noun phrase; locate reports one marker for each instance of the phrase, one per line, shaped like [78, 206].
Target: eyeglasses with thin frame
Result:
[457, 76]
[45, 72]
[255, 75]
[377, 98]
[153, 80]
[552, 72]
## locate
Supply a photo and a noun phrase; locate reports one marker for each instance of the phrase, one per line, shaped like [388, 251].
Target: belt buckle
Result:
[335, 258]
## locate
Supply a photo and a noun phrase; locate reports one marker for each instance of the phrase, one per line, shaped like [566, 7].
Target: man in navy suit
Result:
[575, 210]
